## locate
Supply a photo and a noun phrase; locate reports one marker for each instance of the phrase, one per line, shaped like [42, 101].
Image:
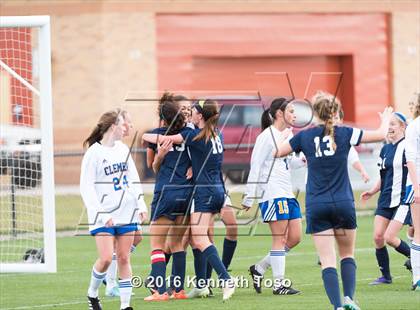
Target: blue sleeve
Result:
[296, 143]
[188, 135]
[153, 146]
[353, 135]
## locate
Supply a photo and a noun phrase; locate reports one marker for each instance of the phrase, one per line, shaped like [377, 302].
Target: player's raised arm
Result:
[380, 133]
[158, 138]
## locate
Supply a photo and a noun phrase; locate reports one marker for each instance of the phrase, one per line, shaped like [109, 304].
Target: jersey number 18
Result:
[217, 145]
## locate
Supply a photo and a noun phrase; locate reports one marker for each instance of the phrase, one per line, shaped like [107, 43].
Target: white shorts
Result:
[403, 215]
[228, 202]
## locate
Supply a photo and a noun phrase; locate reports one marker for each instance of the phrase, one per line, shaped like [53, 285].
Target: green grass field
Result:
[67, 288]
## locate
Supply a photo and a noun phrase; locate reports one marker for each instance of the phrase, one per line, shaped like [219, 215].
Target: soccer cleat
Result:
[128, 308]
[112, 292]
[380, 281]
[256, 278]
[198, 292]
[94, 303]
[147, 285]
[157, 297]
[179, 295]
[416, 287]
[349, 304]
[211, 294]
[407, 265]
[170, 291]
[228, 289]
[283, 290]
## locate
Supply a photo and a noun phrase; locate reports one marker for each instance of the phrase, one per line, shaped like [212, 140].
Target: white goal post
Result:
[33, 198]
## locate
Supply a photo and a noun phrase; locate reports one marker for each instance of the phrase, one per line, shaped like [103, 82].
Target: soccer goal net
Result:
[27, 216]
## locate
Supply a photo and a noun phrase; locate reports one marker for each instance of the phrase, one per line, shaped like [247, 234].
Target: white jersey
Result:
[110, 186]
[412, 144]
[269, 177]
[353, 156]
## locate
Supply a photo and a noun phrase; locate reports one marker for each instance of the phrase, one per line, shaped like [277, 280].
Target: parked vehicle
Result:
[240, 122]
[20, 154]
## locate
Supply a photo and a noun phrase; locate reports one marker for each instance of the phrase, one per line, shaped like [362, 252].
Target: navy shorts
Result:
[280, 209]
[116, 230]
[171, 203]
[324, 216]
[208, 201]
[400, 214]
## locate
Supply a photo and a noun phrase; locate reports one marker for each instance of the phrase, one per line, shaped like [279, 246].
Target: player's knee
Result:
[293, 241]
[123, 259]
[391, 240]
[232, 232]
[278, 242]
[379, 240]
[105, 261]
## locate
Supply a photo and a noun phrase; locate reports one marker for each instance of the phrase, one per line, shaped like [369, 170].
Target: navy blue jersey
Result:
[393, 170]
[206, 158]
[328, 179]
[174, 166]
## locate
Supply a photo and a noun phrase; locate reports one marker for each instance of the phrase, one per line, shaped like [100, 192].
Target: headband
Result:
[401, 117]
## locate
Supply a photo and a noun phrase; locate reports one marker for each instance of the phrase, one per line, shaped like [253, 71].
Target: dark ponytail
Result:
[266, 120]
[105, 122]
[269, 115]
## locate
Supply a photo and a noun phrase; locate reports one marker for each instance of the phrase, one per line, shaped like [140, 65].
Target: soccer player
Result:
[413, 164]
[392, 211]
[206, 148]
[111, 191]
[171, 199]
[353, 159]
[330, 210]
[270, 181]
[111, 274]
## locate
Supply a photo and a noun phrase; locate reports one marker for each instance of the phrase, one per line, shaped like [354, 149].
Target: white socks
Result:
[263, 264]
[111, 273]
[415, 261]
[278, 264]
[125, 292]
[95, 282]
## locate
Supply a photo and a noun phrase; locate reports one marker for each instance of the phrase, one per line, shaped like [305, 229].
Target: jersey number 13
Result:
[329, 150]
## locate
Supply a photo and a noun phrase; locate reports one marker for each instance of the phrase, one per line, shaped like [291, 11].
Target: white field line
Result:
[190, 263]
